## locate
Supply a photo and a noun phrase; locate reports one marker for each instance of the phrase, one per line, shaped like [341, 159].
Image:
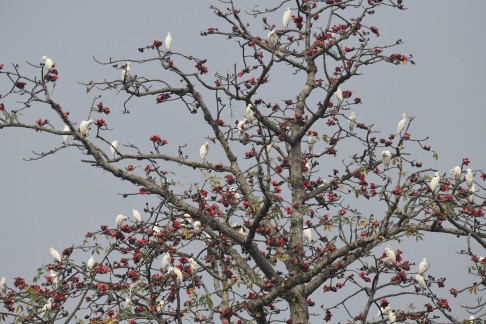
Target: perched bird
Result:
[286, 17]
[136, 215]
[383, 311]
[469, 178]
[386, 158]
[47, 307]
[203, 151]
[65, 137]
[249, 113]
[420, 280]
[119, 220]
[53, 276]
[390, 255]
[401, 123]
[165, 260]
[236, 194]
[268, 148]
[178, 273]
[55, 255]
[311, 141]
[241, 126]
[196, 226]
[434, 182]
[90, 264]
[194, 265]
[423, 266]
[84, 126]
[3, 285]
[339, 94]
[456, 172]
[352, 121]
[307, 232]
[48, 63]
[128, 303]
[125, 73]
[160, 305]
[168, 42]
[272, 38]
[114, 147]
[392, 317]
[472, 190]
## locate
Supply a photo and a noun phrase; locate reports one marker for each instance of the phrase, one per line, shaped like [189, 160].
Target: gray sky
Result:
[55, 201]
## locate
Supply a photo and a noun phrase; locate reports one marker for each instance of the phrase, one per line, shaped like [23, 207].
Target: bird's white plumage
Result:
[196, 226]
[128, 303]
[65, 137]
[390, 255]
[352, 121]
[311, 141]
[168, 42]
[421, 281]
[136, 216]
[90, 264]
[165, 260]
[119, 219]
[178, 274]
[401, 123]
[47, 307]
[472, 191]
[383, 311]
[125, 72]
[386, 158]
[268, 148]
[193, 264]
[48, 63]
[272, 38]
[203, 151]
[392, 317]
[469, 178]
[456, 172]
[114, 147]
[339, 94]
[53, 276]
[84, 126]
[423, 266]
[249, 113]
[307, 232]
[286, 17]
[241, 126]
[434, 182]
[55, 255]
[236, 194]
[3, 285]
[160, 305]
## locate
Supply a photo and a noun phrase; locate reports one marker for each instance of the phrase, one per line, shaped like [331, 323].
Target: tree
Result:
[281, 219]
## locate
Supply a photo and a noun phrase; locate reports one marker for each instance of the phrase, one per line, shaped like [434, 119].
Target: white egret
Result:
[241, 126]
[383, 311]
[90, 264]
[352, 121]
[309, 168]
[178, 274]
[160, 305]
[390, 255]
[156, 229]
[272, 39]
[3, 285]
[203, 151]
[194, 265]
[268, 148]
[55, 255]
[47, 307]
[53, 276]
[125, 73]
[235, 193]
[135, 286]
[128, 303]
[84, 126]
[469, 178]
[401, 123]
[307, 232]
[434, 182]
[65, 137]
[286, 17]
[339, 94]
[311, 141]
[168, 42]
[48, 63]
[423, 266]
[165, 260]
[196, 226]
[392, 317]
[386, 158]
[249, 113]
[472, 190]
[119, 220]
[421, 281]
[114, 147]
[136, 215]
[456, 172]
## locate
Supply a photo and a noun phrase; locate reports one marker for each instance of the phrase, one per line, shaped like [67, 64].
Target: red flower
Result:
[20, 85]
[101, 122]
[156, 43]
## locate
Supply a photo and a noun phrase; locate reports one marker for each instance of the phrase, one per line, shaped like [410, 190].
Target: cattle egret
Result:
[311, 141]
[390, 255]
[119, 220]
[472, 190]
[434, 183]
[456, 172]
[160, 305]
[235, 193]
[178, 274]
[114, 147]
[423, 266]
[3, 285]
[90, 264]
[241, 126]
[392, 317]
[47, 307]
[84, 126]
[156, 229]
[401, 123]
[420, 280]
[249, 113]
[194, 265]
[168, 42]
[203, 151]
[128, 303]
[196, 226]
[469, 178]
[307, 232]
[339, 94]
[383, 311]
[352, 121]
[125, 73]
[165, 260]
[136, 215]
[268, 148]
[65, 137]
[386, 158]
[48, 63]
[55, 255]
[53, 276]
[286, 17]
[272, 39]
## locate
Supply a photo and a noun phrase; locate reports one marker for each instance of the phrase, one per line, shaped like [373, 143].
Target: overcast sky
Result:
[54, 201]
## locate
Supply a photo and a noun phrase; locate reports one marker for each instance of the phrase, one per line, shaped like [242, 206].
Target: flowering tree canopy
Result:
[299, 204]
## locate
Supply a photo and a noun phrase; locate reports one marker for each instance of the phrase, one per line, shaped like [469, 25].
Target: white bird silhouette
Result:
[3, 285]
[136, 215]
[456, 172]
[196, 226]
[47, 307]
[241, 126]
[55, 255]
[48, 63]
[272, 39]
[423, 266]
[420, 280]
[236, 194]
[392, 317]
[311, 141]
[165, 260]
[128, 303]
[386, 158]
[114, 147]
[90, 264]
[286, 17]
[203, 151]
[53, 276]
[434, 182]
[84, 126]
[383, 311]
[125, 73]
[119, 220]
[472, 190]
[194, 265]
[65, 137]
[339, 94]
[168, 42]
[160, 305]
[249, 113]
[178, 274]
[352, 121]
[307, 232]
[469, 178]
[401, 123]
[390, 255]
